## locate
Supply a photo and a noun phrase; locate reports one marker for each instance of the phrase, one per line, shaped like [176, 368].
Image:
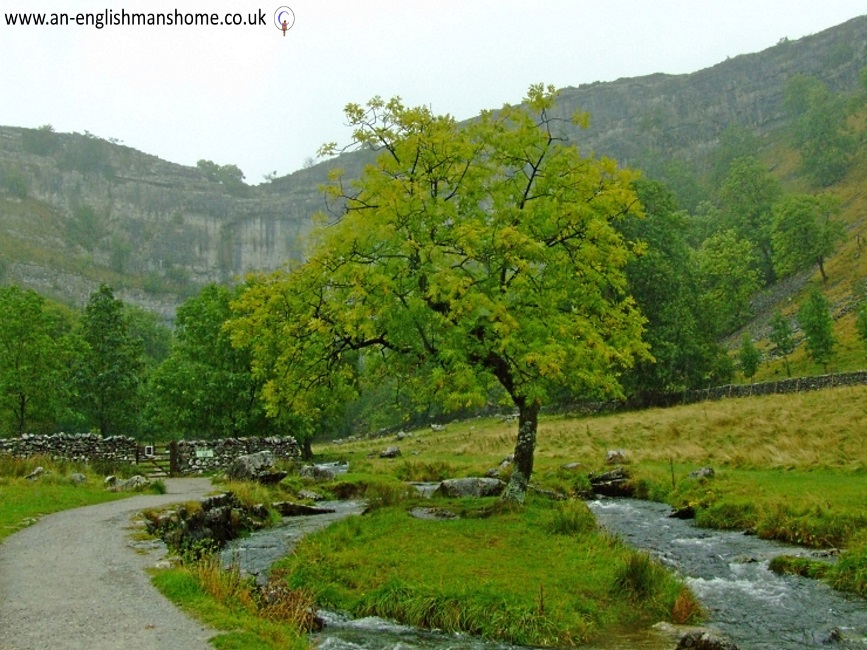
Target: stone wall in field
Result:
[188, 456]
[793, 385]
[85, 447]
[201, 456]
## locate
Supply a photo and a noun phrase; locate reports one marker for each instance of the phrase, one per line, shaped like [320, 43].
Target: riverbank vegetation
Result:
[788, 467]
[541, 575]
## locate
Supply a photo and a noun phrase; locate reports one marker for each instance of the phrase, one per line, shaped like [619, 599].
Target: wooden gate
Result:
[159, 459]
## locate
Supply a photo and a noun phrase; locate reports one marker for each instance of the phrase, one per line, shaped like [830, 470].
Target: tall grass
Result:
[273, 617]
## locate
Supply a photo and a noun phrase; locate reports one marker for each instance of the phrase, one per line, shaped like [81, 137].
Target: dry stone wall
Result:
[201, 456]
[84, 447]
[191, 456]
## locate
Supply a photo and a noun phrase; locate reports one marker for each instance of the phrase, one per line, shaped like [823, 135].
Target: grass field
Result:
[23, 501]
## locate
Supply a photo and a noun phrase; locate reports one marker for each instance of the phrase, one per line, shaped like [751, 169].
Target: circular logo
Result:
[284, 14]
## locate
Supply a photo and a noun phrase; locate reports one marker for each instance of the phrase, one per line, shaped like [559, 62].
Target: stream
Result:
[747, 603]
[751, 605]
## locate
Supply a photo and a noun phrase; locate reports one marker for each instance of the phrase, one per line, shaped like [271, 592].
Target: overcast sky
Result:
[253, 97]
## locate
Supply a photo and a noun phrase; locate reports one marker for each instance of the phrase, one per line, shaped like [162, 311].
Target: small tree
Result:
[804, 232]
[815, 319]
[782, 338]
[107, 374]
[749, 357]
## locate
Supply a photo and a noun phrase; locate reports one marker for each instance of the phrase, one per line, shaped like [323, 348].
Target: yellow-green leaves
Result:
[468, 255]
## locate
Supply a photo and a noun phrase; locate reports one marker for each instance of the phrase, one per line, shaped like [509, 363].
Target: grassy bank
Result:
[541, 575]
[23, 501]
[227, 601]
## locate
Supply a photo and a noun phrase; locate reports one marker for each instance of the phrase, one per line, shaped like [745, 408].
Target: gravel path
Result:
[75, 579]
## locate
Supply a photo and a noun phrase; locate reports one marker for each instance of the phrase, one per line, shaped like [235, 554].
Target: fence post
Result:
[174, 465]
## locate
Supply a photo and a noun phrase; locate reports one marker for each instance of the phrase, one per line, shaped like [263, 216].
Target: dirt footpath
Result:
[75, 580]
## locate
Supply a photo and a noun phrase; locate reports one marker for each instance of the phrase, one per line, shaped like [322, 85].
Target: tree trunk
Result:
[528, 421]
[306, 449]
[821, 263]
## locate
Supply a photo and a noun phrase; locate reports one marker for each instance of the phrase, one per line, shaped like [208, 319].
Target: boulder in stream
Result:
[704, 641]
[614, 483]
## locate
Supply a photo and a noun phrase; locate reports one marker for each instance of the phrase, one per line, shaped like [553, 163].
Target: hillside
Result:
[76, 210]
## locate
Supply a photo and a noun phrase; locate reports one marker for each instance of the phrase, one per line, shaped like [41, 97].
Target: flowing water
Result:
[729, 573]
[754, 607]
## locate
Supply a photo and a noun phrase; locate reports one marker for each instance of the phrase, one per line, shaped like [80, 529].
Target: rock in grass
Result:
[432, 513]
[390, 452]
[78, 478]
[471, 487]
[615, 457]
[704, 472]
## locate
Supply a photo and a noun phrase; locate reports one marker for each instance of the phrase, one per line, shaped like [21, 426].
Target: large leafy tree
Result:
[108, 370]
[664, 283]
[804, 232]
[205, 388]
[466, 256]
[747, 198]
[31, 360]
[728, 279]
[820, 129]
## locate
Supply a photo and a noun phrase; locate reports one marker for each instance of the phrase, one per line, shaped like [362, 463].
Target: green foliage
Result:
[23, 501]
[804, 233]
[815, 320]
[850, 572]
[820, 130]
[33, 356]
[728, 276]
[108, 372]
[664, 282]
[735, 142]
[149, 328]
[467, 256]
[747, 197]
[799, 566]
[502, 576]
[782, 337]
[229, 176]
[205, 387]
[749, 356]
[571, 518]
